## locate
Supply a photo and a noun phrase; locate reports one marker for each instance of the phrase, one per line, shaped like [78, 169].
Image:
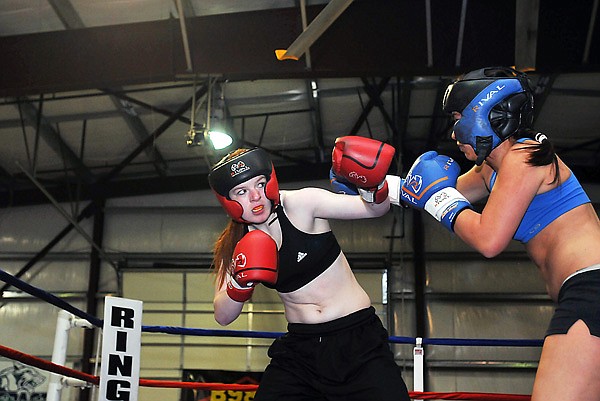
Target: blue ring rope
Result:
[54, 300]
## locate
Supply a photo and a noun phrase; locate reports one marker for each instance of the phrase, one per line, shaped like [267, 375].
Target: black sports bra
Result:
[302, 256]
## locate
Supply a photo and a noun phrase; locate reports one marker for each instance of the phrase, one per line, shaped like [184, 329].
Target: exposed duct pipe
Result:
[314, 30]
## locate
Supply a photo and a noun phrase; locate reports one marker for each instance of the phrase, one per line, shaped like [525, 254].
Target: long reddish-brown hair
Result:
[223, 249]
[225, 244]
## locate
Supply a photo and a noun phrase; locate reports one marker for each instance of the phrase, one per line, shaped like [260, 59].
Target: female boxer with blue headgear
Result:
[532, 197]
[336, 346]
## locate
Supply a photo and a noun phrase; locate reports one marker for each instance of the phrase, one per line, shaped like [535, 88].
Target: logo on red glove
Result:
[354, 175]
[238, 262]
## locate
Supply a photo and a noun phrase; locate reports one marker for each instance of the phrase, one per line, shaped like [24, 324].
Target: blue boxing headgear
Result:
[495, 103]
[238, 167]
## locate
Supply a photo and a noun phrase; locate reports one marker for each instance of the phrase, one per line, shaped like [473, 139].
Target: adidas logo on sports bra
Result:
[301, 256]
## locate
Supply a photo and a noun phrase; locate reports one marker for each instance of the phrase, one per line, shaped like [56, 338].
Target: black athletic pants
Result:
[345, 359]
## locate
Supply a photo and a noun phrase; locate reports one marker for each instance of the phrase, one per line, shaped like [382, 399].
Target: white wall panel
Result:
[30, 326]
[161, 231]
[29, 229]
[487, 320]
[489, 276]
[53, 275]
[364, 236]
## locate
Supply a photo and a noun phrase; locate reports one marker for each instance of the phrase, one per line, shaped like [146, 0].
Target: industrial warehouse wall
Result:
[159, 249]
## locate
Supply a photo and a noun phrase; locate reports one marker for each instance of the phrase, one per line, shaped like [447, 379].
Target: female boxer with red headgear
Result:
[336, 346]
[532, 197]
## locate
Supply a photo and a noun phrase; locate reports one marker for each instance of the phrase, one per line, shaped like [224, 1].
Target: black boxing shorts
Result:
[578, 299]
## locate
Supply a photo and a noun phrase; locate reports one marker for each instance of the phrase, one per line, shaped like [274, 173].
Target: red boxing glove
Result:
[255, 260]
[237, 292]
[375, 195]
[363, 162]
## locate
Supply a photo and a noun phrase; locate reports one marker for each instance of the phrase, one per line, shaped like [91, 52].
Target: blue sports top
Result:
[548, 206]
[302, 256]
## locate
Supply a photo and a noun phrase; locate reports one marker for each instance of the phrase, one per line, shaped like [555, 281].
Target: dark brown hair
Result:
[541, 153]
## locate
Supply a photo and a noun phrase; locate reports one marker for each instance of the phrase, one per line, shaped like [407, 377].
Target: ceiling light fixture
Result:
[214, 130]
[216, 126]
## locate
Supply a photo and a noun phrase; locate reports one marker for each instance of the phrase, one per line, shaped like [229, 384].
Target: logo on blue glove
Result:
[440, 198]
[411, 187]
[414, 182]
[411, 191]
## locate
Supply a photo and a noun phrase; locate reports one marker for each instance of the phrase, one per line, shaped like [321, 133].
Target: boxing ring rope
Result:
[62, 370]
[94, 380]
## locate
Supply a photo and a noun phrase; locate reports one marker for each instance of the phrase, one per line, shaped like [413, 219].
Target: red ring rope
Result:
[63, 370]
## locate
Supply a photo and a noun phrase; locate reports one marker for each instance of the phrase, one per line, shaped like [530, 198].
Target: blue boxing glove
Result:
[430, 185]
[341, 186]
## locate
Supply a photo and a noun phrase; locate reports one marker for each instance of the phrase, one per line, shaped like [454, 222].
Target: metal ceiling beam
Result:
[461, 35]
[102, 186]
[182, 16]
[439, 118]
[376, 92]
[590, 33]
[313, 95]
[153, 51]
[162, 185]
[71, 20]
[404, 93]
[151, 138]
[375, 95]
[138, 129]
[526, 34]
[67, 14]
[314, 30]
[6, 181]
[188, 8]
[53, 139]
[145, 106]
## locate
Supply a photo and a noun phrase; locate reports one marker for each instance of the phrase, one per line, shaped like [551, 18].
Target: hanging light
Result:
[216, 128]
[214, 131]
[219, 140]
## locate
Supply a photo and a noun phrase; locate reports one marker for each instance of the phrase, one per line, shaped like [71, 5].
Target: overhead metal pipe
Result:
[461, 32]
[314, 30]
[184, 36]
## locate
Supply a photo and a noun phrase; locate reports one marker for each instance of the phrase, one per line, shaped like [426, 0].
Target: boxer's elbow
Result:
[223, 318]
[491, 248]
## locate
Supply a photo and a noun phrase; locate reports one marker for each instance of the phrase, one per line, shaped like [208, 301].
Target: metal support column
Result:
[92, 293]
[420, 282]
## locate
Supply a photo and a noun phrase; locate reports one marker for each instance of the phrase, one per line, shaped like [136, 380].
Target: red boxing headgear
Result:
[234, 170]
